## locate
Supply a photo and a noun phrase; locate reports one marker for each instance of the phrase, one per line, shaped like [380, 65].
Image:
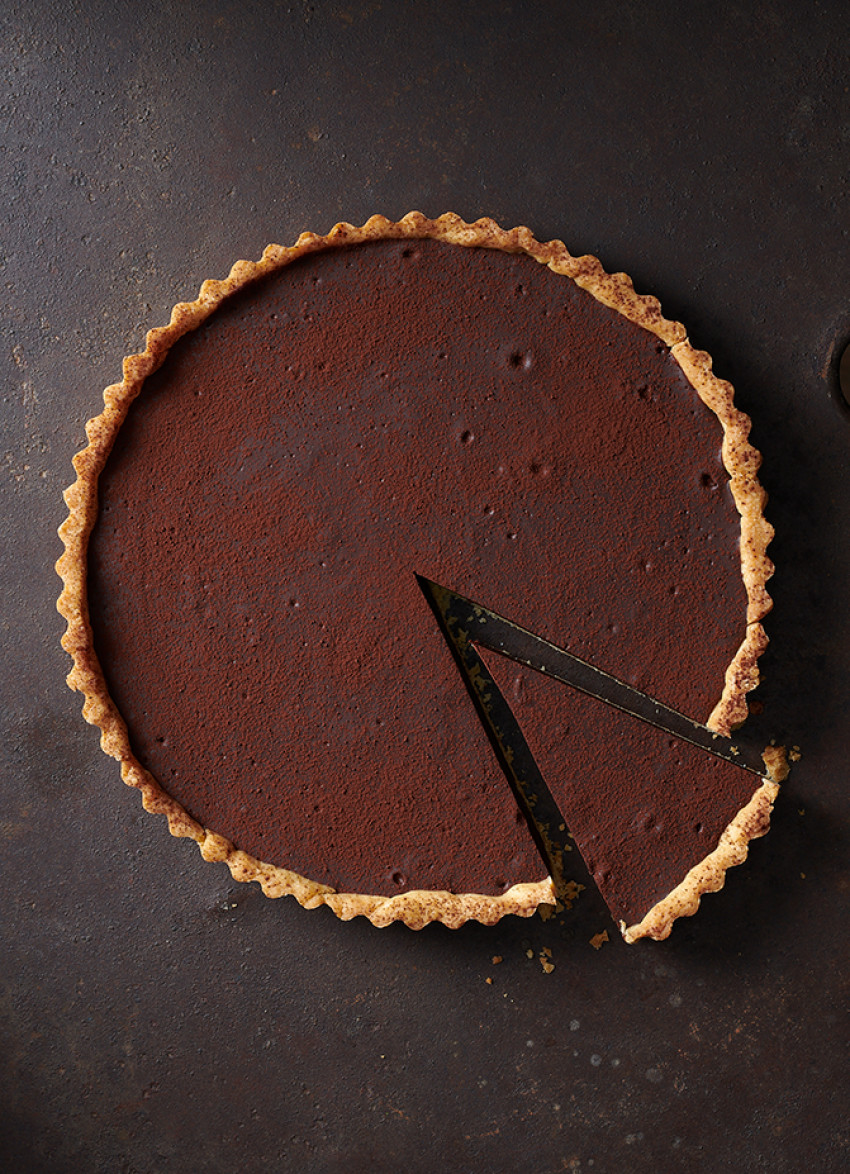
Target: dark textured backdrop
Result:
[154, 1016]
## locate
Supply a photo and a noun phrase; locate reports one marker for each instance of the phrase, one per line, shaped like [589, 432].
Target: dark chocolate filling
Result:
[366, 414]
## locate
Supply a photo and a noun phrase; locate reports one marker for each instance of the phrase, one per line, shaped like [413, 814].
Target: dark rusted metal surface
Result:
[155, 1016]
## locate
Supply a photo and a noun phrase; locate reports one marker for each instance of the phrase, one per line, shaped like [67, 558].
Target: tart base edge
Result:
[416, 908]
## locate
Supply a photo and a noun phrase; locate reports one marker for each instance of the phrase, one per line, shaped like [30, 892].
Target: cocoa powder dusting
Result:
[365, 415]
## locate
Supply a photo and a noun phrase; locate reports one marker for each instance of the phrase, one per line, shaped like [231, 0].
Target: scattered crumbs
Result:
[497, 958]
[795, 754]
[489, 981]
[544, 957]
[599, 939]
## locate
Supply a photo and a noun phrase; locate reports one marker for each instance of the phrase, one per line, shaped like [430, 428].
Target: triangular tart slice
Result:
[657, 820]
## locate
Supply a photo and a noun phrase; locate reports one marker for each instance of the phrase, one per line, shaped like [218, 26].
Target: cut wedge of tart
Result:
[423, 398]
[656, 773]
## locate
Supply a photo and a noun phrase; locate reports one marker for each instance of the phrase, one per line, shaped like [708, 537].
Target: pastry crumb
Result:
[599, 939]
[776, 761]
[795, 754]
[489, 981]
[544, 957]
[529, 953]
[497, 958]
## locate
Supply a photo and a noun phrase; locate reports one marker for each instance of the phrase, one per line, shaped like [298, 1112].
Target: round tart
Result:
[434, 398]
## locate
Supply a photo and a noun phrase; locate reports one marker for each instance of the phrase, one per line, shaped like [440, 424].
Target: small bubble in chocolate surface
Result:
[521, 360]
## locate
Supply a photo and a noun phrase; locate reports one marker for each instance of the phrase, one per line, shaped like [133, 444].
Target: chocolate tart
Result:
[423, 397]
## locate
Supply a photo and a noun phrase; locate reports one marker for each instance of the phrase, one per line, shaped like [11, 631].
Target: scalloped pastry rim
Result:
[417, 908]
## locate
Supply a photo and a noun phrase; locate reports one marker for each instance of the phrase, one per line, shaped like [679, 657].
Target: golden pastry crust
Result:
[742, 463]
[415, 908]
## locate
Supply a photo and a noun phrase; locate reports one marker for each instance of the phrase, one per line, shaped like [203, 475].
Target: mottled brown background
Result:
[155, 1018]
